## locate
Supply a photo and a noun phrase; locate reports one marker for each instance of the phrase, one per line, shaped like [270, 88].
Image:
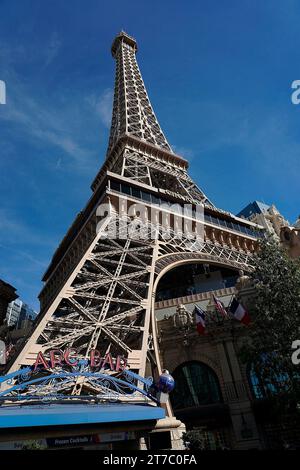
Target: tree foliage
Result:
[196, 439]
[276, 322]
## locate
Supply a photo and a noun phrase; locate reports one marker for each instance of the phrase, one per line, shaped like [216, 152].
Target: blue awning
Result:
[65, 414]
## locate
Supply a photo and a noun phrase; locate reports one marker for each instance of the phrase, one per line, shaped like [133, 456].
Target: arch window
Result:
[263, 388]
[196, 384]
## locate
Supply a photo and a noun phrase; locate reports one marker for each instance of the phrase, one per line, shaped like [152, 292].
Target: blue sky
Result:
[219, 77]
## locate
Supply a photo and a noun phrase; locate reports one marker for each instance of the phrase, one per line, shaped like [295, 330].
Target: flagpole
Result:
[228, 308]
[230, 302]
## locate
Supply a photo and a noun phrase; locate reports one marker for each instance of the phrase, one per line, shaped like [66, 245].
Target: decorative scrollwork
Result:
[128, 376]
[26, 386]
[148, 383]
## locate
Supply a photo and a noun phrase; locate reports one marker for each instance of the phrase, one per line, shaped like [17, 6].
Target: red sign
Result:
[68, 357]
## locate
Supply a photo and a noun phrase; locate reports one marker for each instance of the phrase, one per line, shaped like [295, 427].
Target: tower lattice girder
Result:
[99, 288]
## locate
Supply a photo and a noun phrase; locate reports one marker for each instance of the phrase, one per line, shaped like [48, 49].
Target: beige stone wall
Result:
[290, 238]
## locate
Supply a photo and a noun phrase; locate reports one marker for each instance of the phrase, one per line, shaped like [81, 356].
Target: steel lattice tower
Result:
[99, 289]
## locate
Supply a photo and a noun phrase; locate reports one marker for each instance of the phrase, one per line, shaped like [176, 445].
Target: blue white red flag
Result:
[200, 320]
[220, 306]
[239, 312]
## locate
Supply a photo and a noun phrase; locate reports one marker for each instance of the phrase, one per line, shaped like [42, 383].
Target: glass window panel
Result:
[125, 189]
[165, 202]
[115, 185]
[155, 200]
[136, 192]
[196, 384]
[146, 196]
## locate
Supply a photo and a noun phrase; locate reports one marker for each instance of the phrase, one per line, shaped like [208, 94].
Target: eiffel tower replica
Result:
[99, 289]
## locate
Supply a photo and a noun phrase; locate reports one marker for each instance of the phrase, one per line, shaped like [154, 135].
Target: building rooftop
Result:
[255, 207]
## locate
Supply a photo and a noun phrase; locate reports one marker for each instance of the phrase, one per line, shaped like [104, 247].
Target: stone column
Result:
[243, 421]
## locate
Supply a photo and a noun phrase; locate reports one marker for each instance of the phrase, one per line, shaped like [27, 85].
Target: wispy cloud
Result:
[44, 124]
[34, 263]
[263, 132]
[46, 121]
[183, 152]
[103, 105]
[23, 253]
[53, 48]
[14, 232]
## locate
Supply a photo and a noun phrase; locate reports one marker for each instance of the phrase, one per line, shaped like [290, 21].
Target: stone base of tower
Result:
[176, 437]
[166, 435]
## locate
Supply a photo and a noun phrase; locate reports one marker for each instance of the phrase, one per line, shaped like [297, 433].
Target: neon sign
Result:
[57, 357]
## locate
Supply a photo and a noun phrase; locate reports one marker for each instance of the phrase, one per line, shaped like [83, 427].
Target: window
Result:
[114, 185]
[196, 384]
[266, 388]
[146, 196]
[125, 188]
[214, 220]
[155, 200]
[165, 204]
[136, 192]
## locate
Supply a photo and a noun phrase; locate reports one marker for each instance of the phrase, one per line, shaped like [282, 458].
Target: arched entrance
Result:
[197, 398]
[196, 385]
[197, 401]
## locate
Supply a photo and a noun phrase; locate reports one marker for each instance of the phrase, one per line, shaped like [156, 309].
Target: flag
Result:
[200, 320]
[220, 306]
[239, 312]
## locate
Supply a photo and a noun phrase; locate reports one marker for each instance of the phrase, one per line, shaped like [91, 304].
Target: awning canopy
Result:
[72, 414]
